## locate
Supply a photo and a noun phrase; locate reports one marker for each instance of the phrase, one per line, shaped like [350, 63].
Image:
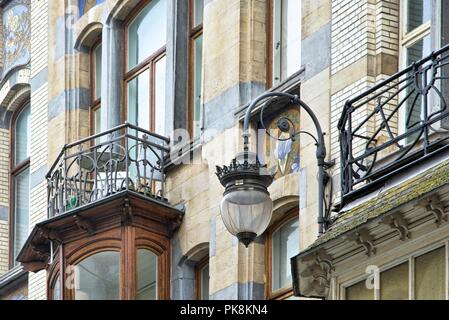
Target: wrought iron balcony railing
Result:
[395, 124]
[125, 158]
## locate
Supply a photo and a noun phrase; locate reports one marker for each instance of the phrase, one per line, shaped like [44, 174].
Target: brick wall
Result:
[365, 50]
[4, 200]
[39, 129]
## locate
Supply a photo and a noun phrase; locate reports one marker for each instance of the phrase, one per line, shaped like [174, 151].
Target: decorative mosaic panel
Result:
[281, 156]
[16, 34]
[86, 5]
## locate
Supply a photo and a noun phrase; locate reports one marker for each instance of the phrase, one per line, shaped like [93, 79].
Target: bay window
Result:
[98, 277]
[147, 275]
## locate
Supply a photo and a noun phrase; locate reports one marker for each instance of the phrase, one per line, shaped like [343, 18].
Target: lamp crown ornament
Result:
[246, 206]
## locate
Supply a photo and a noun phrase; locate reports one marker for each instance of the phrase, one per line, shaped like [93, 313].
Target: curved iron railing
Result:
[123, 158]
[396, 123]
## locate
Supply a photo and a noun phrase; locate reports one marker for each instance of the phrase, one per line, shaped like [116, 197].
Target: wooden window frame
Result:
[51, 283]
[95, 104]
[123, 239]
[287, 292]
[15, 170]
[203, 263]
[148, 63]
[194, 33]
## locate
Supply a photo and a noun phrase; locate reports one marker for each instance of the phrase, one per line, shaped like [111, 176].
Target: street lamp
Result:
[246, 207]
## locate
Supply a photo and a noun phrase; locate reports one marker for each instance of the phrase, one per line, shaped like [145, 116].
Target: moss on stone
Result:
[410, 190]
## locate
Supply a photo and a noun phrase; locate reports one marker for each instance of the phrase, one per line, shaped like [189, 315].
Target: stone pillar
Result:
[177, 66]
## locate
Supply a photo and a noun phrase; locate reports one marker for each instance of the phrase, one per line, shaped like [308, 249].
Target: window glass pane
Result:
[430, 275]
[291, 37]
[21, 209]
[57, 289]
[415, 52]
[98, 277]
[197, 74]
[285, 244]
[159, 99]
[139, 101]
[286, 39]
[97, 123]
[394, 283]
[198, 8]
[359, 291]
[146, 275]
[205, 283]
[97, 120]
[98, 72]
[22, 136]
[418, 12]
[151, 23]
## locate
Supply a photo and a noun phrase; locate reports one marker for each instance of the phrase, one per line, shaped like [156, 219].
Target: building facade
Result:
[115, 113]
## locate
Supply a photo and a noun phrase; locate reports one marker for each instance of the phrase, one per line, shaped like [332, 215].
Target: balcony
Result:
[396, 125]
[101, 188]
[121, 160]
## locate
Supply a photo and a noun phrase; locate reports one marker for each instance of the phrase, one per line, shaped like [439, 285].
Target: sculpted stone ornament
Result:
[433, 204]
[398, 223]
[363, 238]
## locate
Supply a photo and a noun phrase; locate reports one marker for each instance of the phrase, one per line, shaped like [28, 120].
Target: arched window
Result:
[55, 292]
[147, 275]
[283, 243]
[146, 35]
[202, 279]
[20, 180]
[98, 277]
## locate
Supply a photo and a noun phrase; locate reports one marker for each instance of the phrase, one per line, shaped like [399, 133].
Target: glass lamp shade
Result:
[246, 213]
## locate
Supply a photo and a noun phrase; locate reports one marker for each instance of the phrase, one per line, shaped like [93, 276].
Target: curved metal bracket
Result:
[319, 139]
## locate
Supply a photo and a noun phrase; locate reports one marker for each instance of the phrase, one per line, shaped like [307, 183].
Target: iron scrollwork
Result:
[286, 125]
[124, 158]
[396, 123]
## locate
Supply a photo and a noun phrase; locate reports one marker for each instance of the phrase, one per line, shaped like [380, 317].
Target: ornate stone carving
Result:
[398, 223]
[16, 35]
[363, 238]
[433, 204]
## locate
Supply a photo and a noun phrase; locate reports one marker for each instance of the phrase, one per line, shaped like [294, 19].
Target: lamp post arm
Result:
[321, 147]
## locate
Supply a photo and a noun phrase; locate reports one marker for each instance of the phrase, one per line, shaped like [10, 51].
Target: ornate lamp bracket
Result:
[286, 125]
